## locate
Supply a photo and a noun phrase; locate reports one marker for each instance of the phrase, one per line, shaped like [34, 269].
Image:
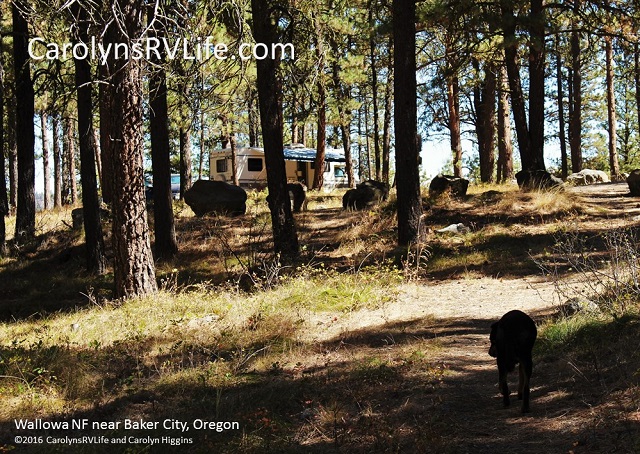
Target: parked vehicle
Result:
[299, 165]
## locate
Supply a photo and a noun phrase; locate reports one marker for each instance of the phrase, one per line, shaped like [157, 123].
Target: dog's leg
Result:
[503, 386]
[526, 369]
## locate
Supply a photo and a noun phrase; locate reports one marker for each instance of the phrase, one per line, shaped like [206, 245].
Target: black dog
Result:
[512, 339]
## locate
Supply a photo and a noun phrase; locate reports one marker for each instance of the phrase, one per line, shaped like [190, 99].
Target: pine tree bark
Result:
[536, 84]
[26, 201]
[614, 166]
[57, 162]
[45, 160]
[453, 104]
[515, 84]
[561, 120]
[409, 204]
[134, 271]
[12, 153]
[484, 101]
[388, 108]
[94, 242]
[4, 201]
[185, 160]
[285, 237]
[374, 94]
[343, 116]
[106, 143]
[505, 149]
[575, 99]
[321, 142]
[166, 245]
[636, 76]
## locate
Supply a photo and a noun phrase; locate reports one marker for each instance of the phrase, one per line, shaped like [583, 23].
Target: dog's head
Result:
[494, 337]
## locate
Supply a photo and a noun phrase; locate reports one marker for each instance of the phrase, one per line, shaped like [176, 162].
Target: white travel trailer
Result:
[299, 164]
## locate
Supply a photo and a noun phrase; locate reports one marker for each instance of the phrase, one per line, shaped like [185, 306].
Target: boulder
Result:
[633, 180]
[537, 179]
[578, 305]
[366, 194]
[587, 177]
[298, 196]
[447, 183]
[209, 196]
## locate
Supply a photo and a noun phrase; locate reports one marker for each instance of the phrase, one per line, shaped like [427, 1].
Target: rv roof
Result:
[309, 154]
[298, 153]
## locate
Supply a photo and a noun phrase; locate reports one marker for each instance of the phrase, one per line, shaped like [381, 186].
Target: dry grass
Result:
[202, 346]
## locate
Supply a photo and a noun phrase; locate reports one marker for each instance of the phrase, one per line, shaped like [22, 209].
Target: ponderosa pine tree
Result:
[4, 202]
[25, 111]
[285, 237]
[134, 270]
[166, 245]
[94, 242]
[409, 203]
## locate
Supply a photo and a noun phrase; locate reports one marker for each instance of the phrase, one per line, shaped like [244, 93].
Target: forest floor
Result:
[407, 373]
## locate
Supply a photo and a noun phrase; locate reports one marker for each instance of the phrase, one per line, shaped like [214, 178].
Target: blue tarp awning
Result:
[309, 154]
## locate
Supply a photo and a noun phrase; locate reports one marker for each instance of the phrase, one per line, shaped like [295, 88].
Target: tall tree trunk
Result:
[453, 104]
[96, 262]
[636, 77]
[388, 108]
[561, 125]
[536, 84]
[374, 91]
[575, 101]
[201, 156]
[484, 101]
[614, 166]
[4, 201]
[12, 152]
[285, 237]
[45, 160]
[234, 160]
[185, 160]
[253, 120]
[166, 246]
[515, 84]
[505, 149]
[368, 143]
[343, 116]
[96, 147]
[26, 200]
[361, 156]
[69, 177]
[106, 134]
[57, 162]
[134, 271]
[318, 175]
[409, 203]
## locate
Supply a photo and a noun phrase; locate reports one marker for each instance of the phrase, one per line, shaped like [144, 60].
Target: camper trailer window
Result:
[221, 165]
[339, 172]
[254, 164]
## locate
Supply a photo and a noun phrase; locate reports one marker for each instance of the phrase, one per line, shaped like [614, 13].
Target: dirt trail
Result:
[467, 407]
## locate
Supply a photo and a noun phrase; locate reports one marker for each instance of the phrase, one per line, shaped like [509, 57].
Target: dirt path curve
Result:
[465, 410]
[467, 405]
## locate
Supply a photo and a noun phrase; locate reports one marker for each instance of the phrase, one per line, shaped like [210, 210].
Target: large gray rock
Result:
[208, 196]
[587, 177]
[537, 179]
[448, 183]
[366, 194]
[633, 180]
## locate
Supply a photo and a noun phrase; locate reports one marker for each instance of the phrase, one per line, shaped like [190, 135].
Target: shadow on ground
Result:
[421, 386]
